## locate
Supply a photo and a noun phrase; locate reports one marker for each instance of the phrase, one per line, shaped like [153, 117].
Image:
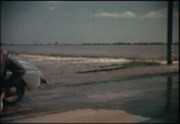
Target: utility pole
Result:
[169, 32]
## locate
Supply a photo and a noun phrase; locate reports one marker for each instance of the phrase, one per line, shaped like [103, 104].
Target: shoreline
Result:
[48, 44]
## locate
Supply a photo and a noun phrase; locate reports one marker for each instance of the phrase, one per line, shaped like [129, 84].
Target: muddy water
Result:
[150, 99]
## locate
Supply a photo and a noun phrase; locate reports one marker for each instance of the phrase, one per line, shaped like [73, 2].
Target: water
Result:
[96, 50]
[154, 97]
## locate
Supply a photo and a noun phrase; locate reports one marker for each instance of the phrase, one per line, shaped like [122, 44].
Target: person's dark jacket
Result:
[9, 63]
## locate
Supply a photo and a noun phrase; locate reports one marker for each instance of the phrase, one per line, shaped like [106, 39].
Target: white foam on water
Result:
[73, 59]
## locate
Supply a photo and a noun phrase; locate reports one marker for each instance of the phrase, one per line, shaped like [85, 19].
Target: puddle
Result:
[87, 115]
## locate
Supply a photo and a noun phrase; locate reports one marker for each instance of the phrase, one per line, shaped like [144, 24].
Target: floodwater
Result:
[96, 50]
[144, 100]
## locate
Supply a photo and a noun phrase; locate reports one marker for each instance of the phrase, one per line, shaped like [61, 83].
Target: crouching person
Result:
[8, 63]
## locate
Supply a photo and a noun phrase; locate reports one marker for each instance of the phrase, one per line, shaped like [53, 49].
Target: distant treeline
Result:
[126, 43]
[144, 43]
[120, 43]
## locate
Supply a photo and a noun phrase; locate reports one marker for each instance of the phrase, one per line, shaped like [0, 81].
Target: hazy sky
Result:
[86, 22]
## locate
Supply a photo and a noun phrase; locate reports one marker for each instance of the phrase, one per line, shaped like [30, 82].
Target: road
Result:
[152, 99]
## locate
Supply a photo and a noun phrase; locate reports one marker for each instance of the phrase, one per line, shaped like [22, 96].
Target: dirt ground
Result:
[86, 116]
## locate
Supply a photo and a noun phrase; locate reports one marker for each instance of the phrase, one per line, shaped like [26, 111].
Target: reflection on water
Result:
[168, 93]
[153, 98]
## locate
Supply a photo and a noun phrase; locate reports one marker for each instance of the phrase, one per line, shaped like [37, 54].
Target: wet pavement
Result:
[153, 97]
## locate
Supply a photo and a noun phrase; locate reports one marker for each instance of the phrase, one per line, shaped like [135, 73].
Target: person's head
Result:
[3, 57]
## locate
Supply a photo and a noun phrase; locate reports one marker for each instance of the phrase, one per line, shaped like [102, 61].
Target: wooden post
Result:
[169, 32]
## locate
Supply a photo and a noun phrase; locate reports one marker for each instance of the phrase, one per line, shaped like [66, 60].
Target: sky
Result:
[74, 22]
